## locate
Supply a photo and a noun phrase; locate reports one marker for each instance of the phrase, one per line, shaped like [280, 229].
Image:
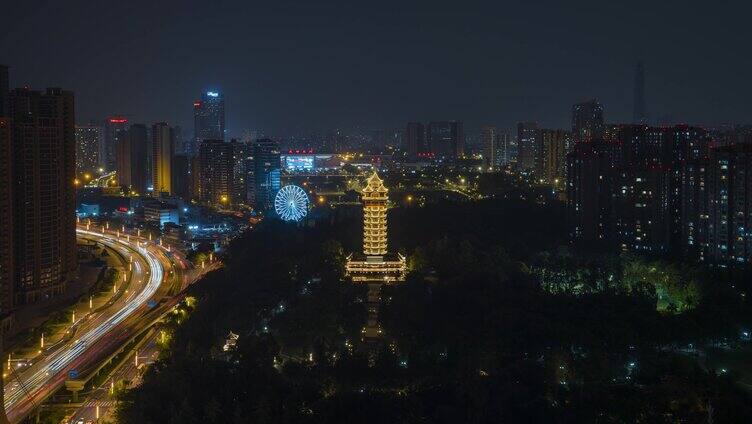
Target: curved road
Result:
[27, 388]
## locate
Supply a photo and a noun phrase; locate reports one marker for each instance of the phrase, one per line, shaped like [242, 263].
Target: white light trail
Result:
[59, 360]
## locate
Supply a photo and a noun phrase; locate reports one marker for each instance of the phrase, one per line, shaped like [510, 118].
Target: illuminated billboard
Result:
[299, 162]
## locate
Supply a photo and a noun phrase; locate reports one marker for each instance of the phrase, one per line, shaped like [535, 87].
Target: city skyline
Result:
[386, 71]
[393, 212]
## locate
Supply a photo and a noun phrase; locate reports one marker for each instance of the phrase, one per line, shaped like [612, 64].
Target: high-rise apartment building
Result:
[88, 140]
[267, 169]
[686, 145]
[43, 151]
[7, 207]
[694, 208]
[550, 156]
[208, 120]
[215, 173]
[656, 186]
[162, 153]
[590, 181]
[587, 121]
[115, 128]
[489, 141]
[250, 178]
[132, 151]
[182, 176]
[495, 147]
[241, 152]
[446, 139]
[730, 205]
[527, 146]
[504, 147]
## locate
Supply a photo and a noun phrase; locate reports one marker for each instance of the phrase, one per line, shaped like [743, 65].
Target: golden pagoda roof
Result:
[374, 184]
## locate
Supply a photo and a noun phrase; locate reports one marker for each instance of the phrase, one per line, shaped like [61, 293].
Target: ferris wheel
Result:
[291, 203]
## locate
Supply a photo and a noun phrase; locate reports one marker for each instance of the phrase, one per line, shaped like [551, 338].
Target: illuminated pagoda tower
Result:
[374, 217]
[375, 266]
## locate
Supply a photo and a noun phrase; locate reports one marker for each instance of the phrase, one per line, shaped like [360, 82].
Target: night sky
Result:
[288, 67]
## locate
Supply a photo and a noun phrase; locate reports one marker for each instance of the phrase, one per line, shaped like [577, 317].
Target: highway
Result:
[100, 403]
[95, 333]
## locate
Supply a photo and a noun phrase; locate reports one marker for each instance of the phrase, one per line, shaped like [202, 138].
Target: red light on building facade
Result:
[118, 120]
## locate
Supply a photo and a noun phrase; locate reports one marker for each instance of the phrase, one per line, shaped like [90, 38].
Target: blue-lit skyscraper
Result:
[266, 172]
[208, 119]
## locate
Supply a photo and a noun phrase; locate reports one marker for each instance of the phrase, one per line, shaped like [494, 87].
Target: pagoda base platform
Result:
[385, 269]
[375, 271]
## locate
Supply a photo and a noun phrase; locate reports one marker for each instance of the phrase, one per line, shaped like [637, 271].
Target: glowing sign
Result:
[300, 151]
[299, 162]
[212, 94]
[118, 120]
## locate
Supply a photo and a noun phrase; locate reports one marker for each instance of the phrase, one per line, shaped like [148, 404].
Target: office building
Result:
[178, 141]
[43, 150]
[115, 128]
[88, 140]
[160, 212]
[267, 169]
[587, 121]
[131, 160]
[415, 141]
[162, 153]
[215, 172]
[208, 120]
[527, 145]
[446, 139]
